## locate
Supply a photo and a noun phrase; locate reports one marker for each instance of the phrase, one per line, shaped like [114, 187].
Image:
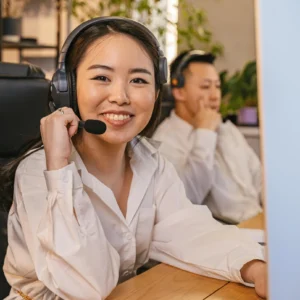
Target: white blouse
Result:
[219, 169]
[54, 255]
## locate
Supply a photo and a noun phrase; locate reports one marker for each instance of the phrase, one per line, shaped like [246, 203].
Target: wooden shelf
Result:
[24, 45]
[20, 46]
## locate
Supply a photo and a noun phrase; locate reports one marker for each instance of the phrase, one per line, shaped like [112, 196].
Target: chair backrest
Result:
[4, 286]
[23, 102]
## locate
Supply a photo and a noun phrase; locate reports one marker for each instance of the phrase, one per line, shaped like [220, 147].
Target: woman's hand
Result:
[255, 272]
[57, 130]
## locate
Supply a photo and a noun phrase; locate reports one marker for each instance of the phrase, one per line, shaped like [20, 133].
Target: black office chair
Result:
[23, 102]
[4, 286]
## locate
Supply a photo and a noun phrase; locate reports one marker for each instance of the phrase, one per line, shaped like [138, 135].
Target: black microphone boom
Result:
[93, 126]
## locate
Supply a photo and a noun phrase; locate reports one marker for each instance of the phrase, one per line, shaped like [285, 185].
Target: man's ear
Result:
[178, 94]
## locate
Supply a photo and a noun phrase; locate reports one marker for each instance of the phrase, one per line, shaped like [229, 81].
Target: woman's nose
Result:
[119, 94]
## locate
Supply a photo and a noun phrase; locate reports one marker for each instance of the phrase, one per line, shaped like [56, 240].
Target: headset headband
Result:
[177, 79]
[85, 25]
[188, 57]
[63, 89]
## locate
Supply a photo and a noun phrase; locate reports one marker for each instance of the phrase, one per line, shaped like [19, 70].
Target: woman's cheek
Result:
[90, 99]
[143, 100]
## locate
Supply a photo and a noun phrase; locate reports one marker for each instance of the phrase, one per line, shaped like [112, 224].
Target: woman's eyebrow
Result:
[92, 67]
[139, 70]
[131, 71]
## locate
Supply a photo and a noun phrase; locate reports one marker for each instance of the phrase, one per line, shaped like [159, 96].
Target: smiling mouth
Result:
[117, 119]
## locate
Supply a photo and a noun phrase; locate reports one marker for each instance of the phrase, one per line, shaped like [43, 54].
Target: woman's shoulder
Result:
[34, 164]
[150, 144]
[164, 166]
[147, 150]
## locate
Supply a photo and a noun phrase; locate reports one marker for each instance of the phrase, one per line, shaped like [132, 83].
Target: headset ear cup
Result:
[163, 70]
[53, 92]
[58, 87]
[73, 93]
[180, 81]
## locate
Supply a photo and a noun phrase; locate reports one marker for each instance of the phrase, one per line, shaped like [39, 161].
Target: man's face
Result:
[202, 83]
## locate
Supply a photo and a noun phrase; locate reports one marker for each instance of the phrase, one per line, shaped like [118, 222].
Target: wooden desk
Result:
[164, 282]
[234, 291]
[254, 223]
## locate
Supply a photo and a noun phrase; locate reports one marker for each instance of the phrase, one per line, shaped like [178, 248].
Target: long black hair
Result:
[74, 57]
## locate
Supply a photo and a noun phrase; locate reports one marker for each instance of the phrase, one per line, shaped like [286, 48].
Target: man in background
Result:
[215, 162]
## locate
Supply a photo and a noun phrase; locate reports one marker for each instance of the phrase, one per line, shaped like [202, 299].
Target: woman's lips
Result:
[117, 119]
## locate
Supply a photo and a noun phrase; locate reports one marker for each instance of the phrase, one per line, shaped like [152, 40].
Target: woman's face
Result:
[116, 85]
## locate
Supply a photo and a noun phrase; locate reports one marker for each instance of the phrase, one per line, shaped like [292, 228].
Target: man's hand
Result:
[207, 118]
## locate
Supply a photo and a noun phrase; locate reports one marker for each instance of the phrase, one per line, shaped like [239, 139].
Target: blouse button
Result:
[128, 236]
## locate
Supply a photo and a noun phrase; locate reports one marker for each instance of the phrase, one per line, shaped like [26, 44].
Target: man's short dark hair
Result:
[204, 58]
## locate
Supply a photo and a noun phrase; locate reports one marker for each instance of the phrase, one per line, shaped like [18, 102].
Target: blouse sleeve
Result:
[186, 236]
[70, 252]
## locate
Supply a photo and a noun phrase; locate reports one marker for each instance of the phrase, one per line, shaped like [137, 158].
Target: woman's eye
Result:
[101, 78]
[139, 80]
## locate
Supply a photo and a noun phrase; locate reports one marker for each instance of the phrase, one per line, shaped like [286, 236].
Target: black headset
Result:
[177, 80]
[63, 85]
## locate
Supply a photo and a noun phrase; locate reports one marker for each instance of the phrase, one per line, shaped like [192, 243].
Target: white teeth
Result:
[117, 117]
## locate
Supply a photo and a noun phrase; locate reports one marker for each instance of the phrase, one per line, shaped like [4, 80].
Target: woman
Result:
[90, 209]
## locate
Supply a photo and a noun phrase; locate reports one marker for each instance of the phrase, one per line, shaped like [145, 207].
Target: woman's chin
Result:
[117, 139]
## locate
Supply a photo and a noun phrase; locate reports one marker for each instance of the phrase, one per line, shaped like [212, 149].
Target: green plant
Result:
[195, 29]
[146, 11]
[15, 8]
[239, 90]
[84, 10]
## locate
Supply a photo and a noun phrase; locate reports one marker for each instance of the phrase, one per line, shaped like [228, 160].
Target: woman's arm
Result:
[18, 265]
[187, 236]
[69, 250]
